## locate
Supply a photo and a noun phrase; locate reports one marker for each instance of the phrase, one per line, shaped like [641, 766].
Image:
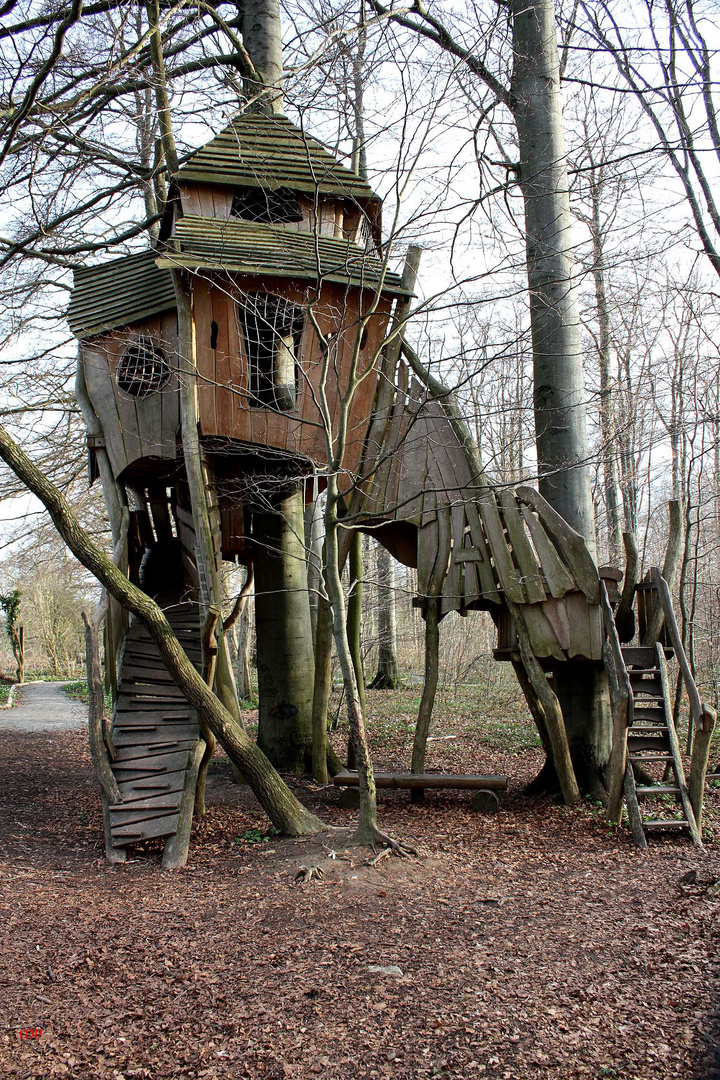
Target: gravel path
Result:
[43, 706]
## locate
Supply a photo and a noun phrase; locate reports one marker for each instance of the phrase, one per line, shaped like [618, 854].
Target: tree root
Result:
[309, 873]
[373, 838]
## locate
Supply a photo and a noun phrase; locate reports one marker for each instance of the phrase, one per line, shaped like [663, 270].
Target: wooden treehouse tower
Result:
[279, 246]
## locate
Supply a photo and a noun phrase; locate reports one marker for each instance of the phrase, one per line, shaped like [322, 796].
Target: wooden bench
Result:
[484, 787]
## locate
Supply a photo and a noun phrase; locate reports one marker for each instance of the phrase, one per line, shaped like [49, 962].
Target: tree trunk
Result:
[387, 677]
[284, 640]
[321, 695]
[261, 38]
[354, 613]
[560, 426]
[559, 392]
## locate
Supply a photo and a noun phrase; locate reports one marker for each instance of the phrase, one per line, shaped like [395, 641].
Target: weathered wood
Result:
[147, 830]
[675, 749]
[508, 575]
[658, 613]
[551, 709]
[570, 544]
[543, 639]
[633, 808]
[176, 848]
[625, 616]
[559, 581]
[427, 701]
[699, 761]
[621, 700]
[414, 781]
[484, 569]
[531, 576]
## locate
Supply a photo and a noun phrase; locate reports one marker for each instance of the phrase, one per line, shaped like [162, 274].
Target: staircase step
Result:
[645, 728]
[639, 656]
[658, 789]
[155, 828]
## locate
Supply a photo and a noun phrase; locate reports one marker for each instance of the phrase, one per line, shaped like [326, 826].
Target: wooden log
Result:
[176, 848]
[98, 749]
[413, 781]
[699, 761]
[658, 612]
[427, 701]
[621, 698]
[551, 708]
[625, 616]
[633, 807]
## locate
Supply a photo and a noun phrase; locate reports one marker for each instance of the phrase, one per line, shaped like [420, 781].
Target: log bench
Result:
[484, 787]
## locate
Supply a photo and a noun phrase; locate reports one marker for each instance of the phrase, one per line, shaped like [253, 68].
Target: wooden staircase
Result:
[652, 742]
[155, 734]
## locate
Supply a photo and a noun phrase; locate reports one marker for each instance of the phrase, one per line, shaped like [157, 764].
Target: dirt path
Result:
[43, 706]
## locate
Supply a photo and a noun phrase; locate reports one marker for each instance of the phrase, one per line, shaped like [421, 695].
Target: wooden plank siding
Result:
[224, 410]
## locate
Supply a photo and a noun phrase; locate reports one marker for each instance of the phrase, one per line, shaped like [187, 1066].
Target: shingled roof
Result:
[250, 248]
[119, 292]
[272, 152]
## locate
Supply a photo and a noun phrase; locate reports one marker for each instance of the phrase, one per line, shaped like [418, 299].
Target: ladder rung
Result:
[658, 789]
[647, 699]
[653, 728]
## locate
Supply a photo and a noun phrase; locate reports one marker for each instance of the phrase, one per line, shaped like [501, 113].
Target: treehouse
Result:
[280, 246]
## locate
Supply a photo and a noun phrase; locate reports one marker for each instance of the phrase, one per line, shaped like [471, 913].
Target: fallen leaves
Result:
[530, 944]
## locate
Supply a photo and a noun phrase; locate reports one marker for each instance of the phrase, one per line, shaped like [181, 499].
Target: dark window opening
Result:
[213, 335]
[263, 205]
[143, 369]
[272, 331]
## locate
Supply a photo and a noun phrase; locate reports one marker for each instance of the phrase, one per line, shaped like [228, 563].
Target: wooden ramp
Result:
[155, 733]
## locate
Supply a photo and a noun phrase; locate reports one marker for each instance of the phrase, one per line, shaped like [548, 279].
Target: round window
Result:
[143, 369]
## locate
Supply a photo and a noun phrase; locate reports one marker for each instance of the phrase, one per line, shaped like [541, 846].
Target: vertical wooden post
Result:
[422, 727]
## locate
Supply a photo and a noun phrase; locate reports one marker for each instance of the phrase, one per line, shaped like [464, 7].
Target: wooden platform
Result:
[154, 732]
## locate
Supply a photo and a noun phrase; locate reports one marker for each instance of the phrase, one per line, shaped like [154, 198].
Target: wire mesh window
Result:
[263, 205]
[271, 328]
[143, 368]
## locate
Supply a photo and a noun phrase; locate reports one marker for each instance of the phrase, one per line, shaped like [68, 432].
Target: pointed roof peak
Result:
[257, 150]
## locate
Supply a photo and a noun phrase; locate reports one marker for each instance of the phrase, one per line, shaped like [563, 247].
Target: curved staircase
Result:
[155, 733]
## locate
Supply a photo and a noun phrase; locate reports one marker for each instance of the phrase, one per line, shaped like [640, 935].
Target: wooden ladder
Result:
[652, 740]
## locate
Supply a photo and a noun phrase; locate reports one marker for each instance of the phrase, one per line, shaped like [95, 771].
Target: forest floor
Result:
[537, 942]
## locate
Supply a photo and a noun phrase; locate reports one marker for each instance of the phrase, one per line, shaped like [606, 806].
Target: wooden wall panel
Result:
[135, 428]
[225, 411]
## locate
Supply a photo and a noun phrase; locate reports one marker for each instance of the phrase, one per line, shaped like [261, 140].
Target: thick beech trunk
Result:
[559, 392]
[261, 38]
[285, 662]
